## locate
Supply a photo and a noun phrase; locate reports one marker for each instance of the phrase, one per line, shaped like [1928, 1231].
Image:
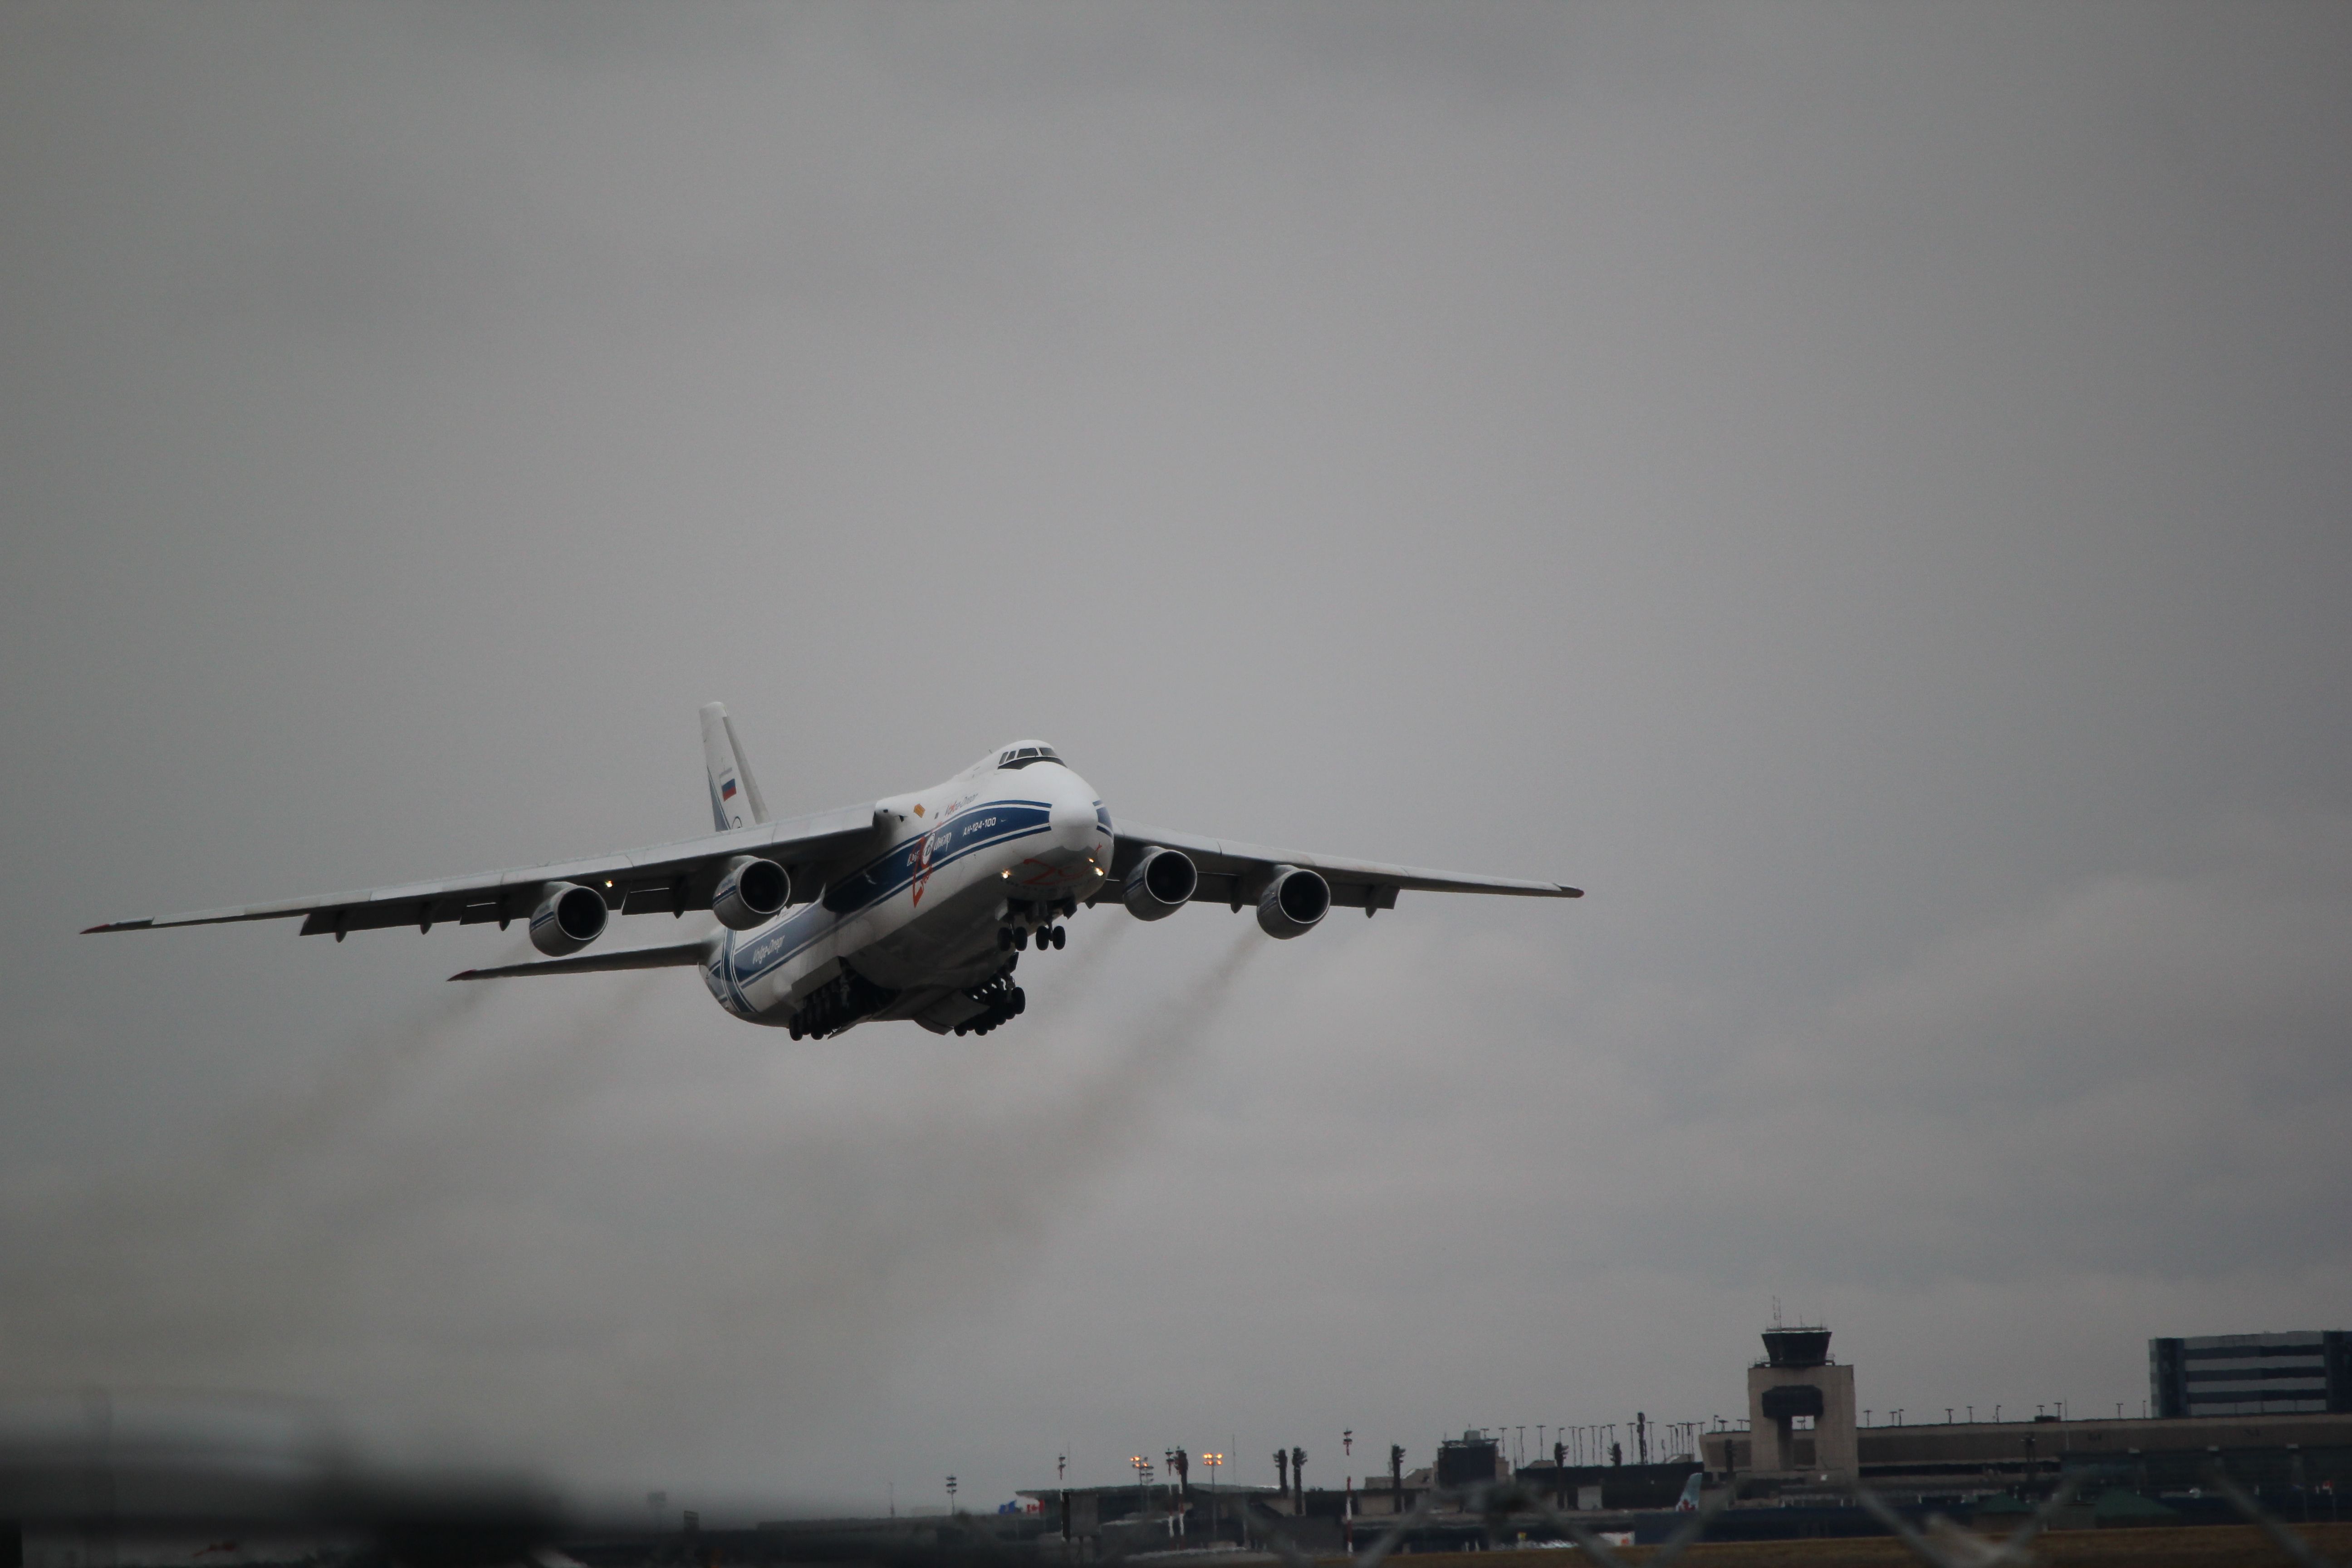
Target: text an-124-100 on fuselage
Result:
[918, 907]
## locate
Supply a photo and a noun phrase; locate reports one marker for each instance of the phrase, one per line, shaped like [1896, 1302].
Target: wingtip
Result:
[1571, 892]
[467, 974]
[117, 925]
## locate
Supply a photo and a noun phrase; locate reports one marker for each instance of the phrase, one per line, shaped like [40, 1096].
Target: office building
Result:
[2251, 1374]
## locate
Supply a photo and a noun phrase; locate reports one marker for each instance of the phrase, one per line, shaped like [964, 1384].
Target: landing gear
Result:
[1025, 919]
[838, 1003]
[1018, 938]
[1004, 1000]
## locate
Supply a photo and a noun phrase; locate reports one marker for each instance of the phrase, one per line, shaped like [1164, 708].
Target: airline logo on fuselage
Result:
[927, 849]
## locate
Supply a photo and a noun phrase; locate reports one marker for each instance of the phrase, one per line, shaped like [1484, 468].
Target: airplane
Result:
[915, 907]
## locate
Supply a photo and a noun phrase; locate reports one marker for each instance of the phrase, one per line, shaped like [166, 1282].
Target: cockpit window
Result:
[1022, 756]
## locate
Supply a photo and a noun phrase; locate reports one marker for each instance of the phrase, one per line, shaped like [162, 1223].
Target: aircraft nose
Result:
[1072, 816]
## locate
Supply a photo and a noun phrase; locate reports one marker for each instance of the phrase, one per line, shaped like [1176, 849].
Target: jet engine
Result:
[1292, 903]
[1160, 884]
[750, 891]
[568, 918]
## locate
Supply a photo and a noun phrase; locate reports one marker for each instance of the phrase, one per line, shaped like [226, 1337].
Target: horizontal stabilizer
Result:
[678, 955]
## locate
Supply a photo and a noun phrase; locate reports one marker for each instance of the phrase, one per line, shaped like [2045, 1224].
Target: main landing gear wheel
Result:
[1061, 935]
[1004, 1001]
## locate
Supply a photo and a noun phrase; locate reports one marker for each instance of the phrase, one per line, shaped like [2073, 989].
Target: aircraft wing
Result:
[665, 878]
[1232, 873]
[676, 955]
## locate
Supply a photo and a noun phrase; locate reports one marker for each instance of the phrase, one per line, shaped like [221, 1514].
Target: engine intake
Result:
[1292, 903]
[750, 890]
[568, 918]
[1160, 885]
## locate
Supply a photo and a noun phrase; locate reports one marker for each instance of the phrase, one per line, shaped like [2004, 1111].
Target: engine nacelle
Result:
[1160, 884]
[750, 891]
[568, 918]
[1292, 903]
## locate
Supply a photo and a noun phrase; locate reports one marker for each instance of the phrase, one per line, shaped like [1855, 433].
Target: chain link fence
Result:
[1509, 1514]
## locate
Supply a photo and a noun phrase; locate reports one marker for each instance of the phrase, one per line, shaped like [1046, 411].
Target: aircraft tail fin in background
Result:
[734, 797]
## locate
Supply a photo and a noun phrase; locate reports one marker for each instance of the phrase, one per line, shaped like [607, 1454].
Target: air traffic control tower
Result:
[1800, 1409]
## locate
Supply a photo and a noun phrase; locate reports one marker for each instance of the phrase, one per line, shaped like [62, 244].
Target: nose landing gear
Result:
[1025, 919]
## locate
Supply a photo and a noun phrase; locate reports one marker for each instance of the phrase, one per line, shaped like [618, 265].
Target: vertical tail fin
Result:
[734, 796]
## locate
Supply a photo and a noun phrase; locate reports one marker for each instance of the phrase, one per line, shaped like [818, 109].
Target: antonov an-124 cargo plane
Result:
[915, 907]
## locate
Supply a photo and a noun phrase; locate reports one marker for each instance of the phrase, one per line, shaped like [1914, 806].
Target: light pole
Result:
[951, 1491]
[1213, 1461]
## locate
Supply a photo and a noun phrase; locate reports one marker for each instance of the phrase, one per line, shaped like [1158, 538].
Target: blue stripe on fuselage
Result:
[958, 835]
[748, 961]
[884, 877]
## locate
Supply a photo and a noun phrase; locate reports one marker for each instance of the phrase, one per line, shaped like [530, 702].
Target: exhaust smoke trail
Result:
[1095, 944]
[871, 1221]
[187, 1265]
[602, 1228]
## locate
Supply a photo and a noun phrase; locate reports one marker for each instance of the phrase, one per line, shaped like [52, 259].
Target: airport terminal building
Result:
[2274, 1410]
[2271, 1412]
[2251, 1374]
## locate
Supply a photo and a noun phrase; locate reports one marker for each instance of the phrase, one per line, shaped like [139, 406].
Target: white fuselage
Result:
[1001, 844]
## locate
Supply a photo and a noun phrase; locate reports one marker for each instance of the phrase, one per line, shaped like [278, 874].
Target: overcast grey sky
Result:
[1859, 489]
